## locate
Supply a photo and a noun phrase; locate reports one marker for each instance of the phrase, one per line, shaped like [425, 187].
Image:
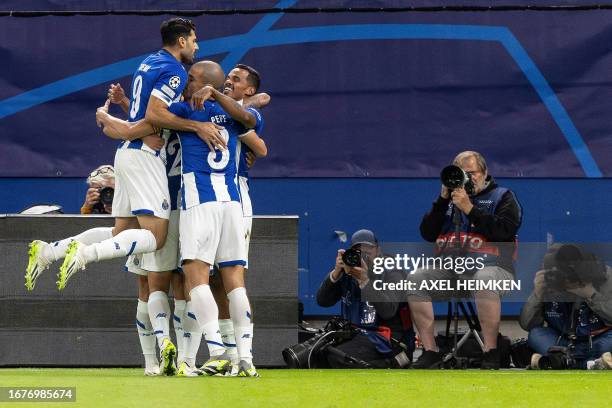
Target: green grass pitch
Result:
[322, 388]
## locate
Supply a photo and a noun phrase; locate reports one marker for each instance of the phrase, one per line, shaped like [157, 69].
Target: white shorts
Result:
[141, 185]
[213, 232]
[248, 223]
[247, 212]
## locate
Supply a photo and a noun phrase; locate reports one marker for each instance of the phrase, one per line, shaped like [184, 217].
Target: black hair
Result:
[253, 78]
[171, 30]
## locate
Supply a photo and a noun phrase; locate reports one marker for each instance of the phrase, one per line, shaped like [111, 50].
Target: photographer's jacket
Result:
[592, 316]
[495, 218]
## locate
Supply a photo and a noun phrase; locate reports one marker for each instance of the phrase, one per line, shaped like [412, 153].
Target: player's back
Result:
[161, 75]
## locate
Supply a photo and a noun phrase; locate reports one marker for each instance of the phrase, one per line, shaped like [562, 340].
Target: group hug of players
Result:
[181, 203]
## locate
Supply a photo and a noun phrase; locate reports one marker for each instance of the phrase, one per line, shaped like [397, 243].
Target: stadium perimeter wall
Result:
[559, 209]
[92, 321]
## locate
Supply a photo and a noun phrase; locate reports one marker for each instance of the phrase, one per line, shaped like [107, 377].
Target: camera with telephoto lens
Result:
[352, 257]
[453, 177]
[305, 355]
[557, 358]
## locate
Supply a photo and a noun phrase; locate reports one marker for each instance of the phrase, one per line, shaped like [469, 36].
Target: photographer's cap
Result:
[364, 236]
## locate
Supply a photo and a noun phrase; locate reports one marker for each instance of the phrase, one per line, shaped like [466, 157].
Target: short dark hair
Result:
[253, 78]
[171, 30]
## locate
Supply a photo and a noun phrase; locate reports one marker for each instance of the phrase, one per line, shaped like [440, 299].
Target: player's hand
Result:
[101, 112]
[201, 96]
[210, 133]
[340, 266]
[444, 193]
[462, 200]
[250, 159]
[154, 142]
[116, 93]
[92, 197]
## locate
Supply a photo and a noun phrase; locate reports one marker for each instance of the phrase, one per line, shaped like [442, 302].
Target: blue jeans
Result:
[542, 338]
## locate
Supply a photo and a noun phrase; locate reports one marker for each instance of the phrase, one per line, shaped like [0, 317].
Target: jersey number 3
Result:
[222, 162]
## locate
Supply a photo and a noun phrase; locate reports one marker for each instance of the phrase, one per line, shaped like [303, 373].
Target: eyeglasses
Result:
[102, 170]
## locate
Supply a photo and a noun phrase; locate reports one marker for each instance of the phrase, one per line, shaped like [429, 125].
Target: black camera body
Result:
[106, 198]
[352, 257]
[453, 177]
[568, 265]
[557, 358]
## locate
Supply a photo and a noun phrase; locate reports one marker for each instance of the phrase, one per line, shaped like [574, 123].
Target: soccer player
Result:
[141, 204]
[240, 84]
[211, 225]
[200, 74]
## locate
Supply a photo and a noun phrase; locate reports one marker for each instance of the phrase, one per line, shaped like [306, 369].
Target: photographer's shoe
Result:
[429, 359]
[490, 360]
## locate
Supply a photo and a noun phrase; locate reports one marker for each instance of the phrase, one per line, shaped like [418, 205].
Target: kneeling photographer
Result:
[368, 334]
[569, 314]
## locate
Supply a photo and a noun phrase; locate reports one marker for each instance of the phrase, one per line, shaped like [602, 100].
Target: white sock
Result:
[240, 311]
[192, 335]
[177, 323]
[145, 334]
[229, 340]
[128, 242]
[159, 312]
[206, 311]
[57, 250]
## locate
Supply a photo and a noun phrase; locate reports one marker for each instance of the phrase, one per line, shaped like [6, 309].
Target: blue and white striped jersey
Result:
[173, 165]
[159, 75]
[242, 149]
[208, 176]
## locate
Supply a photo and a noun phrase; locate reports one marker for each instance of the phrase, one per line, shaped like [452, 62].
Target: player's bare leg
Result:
[207, 314]
[241, 315]
[125, 241]
[225, 322]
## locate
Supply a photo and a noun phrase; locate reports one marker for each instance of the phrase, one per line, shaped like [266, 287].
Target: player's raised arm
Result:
[260, 100]
[255, 143]
[116, 95]
[233, 108]
[158, 115]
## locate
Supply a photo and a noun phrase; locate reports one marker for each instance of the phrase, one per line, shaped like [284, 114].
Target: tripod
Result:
[452, 359]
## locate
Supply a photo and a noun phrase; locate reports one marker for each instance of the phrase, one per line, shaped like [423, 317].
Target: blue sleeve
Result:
[259, 124]
[180, 109]
[170, 83]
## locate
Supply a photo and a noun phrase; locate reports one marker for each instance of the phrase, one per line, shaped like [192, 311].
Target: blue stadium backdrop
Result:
[367, 107]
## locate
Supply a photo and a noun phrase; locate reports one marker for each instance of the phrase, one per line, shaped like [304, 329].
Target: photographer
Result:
[486, 216]
[385, 338]
[570, 307]
[99, 196]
